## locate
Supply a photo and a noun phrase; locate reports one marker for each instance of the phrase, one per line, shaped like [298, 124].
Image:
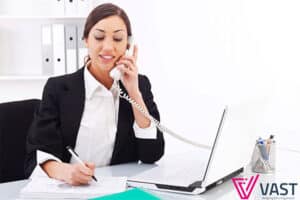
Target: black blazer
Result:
[56, 123]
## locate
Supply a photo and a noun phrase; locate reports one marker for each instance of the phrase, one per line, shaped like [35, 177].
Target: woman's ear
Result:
[128, 46]
[86, 44]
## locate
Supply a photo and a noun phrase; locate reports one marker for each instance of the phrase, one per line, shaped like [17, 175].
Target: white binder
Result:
[47, 51]
[83, 7]
[71, 7]
[58, 34]
[82, 50]
[71, 48]
[58, 7]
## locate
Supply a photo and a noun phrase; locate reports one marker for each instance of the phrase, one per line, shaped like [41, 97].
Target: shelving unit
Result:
[21, 50]
[21, 37]
[32, 17]
[15, 78]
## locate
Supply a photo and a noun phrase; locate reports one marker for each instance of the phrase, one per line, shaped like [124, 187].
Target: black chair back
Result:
[15, 120]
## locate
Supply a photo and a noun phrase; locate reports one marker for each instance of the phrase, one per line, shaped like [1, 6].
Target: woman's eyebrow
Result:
[114, 31]
[100, 30]
[118, 30]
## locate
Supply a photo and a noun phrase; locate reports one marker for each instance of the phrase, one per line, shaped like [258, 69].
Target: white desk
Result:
[287, 166]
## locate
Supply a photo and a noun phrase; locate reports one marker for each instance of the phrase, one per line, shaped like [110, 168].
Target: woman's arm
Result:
[45, 135]
[150, 150]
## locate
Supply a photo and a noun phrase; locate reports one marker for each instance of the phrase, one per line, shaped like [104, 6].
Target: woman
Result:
[83, 109]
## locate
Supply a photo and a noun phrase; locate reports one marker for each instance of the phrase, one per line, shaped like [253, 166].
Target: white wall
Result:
[238, 51]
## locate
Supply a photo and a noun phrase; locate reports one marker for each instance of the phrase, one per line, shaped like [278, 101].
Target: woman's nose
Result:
[107, 45]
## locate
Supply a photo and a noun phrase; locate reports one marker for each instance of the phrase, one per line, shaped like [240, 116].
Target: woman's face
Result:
[107, 42]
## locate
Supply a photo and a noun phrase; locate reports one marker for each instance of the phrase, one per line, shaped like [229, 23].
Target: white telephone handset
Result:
[117, 75]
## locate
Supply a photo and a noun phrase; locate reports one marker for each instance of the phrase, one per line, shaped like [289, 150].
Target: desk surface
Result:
[286, 170]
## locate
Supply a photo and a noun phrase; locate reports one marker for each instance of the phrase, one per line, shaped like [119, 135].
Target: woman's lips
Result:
[106, 58]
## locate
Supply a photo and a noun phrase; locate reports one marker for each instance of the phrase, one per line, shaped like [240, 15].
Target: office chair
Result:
[15, 120]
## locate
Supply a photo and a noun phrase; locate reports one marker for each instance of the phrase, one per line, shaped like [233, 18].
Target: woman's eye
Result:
[99, 38]
[118, 39]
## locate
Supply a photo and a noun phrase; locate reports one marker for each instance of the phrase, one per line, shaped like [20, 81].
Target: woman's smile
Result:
[106, 58]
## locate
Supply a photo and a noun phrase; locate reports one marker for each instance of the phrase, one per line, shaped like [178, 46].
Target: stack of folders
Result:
[46, 188]
[63, 49]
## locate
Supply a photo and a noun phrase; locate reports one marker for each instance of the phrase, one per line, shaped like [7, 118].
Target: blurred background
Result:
[199, 56]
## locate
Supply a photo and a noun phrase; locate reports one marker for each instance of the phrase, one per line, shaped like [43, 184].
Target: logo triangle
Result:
[245, 186]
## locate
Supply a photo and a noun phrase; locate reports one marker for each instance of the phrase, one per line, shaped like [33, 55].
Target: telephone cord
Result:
[157, 123]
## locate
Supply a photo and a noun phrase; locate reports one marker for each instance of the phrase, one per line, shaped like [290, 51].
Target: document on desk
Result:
[46, 188]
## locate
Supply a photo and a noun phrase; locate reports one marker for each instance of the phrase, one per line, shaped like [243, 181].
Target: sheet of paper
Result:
[42, 187]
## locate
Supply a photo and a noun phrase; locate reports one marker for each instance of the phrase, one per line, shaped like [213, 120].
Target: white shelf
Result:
[26, 17]
[32, 77]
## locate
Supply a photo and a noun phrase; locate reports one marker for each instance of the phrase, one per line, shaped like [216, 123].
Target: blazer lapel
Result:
[123, 126]
[72, 106]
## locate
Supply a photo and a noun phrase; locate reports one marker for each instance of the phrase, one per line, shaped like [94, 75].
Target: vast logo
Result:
[244, 186]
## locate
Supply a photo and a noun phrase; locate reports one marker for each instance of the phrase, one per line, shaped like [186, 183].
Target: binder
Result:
[58, 7]
[47, 51]
[83, 7]
[58, 34]
[71, 48]
[71, 7]
[82, 50]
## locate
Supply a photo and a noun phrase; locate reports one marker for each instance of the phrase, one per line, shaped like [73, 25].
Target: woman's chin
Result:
[106, 68]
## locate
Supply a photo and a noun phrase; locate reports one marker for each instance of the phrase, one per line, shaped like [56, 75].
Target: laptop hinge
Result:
[171, 187]
[197, 184]
[222, 180]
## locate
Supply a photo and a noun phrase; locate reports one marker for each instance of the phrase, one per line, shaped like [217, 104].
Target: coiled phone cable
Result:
[162, 128]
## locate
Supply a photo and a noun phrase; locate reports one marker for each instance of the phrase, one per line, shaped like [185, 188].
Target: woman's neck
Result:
[101, 76]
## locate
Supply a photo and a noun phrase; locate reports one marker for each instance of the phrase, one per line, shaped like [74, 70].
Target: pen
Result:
[262, 148]
[76, 157]
[269, 142]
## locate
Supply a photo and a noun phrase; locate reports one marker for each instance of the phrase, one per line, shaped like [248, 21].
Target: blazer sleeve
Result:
[150, 150]
[44, 133]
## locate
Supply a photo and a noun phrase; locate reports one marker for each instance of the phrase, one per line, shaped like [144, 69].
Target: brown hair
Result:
[103, 11]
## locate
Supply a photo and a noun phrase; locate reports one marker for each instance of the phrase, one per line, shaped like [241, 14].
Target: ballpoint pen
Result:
[262, 148]
[76, 157]
[269, 141]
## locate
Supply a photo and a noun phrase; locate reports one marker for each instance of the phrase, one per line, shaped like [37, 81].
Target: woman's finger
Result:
[125, 70]
[83, 178]
[128, 64]
[85, 170]
[129, 58]
[90, 165]
[135, 52]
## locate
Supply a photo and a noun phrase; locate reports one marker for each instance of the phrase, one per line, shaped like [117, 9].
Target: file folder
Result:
[82, 50]
[135, 193]
[58, 34]
[71, 7]
[47, 51]
[71, 48]
[58, 7]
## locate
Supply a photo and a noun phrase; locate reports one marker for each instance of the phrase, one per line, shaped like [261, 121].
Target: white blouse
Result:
[98, 126]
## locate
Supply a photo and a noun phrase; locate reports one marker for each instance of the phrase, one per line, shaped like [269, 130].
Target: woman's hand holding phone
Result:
[127, 66]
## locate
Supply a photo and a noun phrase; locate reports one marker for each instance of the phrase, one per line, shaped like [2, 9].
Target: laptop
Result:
[229, 154]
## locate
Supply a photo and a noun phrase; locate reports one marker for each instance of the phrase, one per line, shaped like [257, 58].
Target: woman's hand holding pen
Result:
[77, 174]
[74, 174]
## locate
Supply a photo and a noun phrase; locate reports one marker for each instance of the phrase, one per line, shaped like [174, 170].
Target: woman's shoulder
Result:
[144, 83]
[66, 79]
[143, 79]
